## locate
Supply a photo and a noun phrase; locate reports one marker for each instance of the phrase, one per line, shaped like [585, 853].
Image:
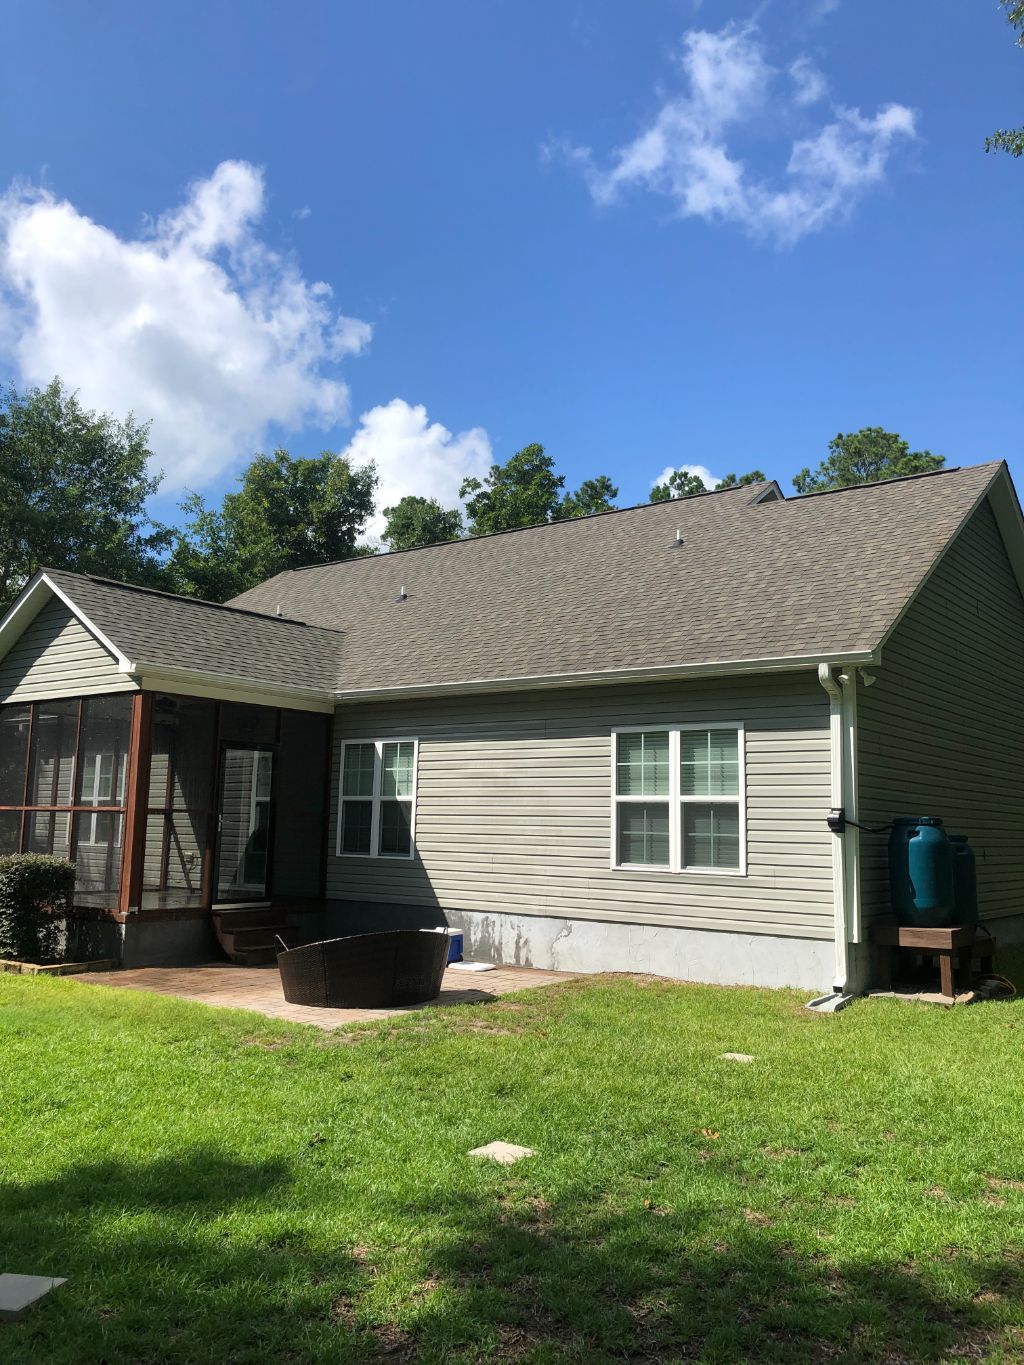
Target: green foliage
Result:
[35, 898]
[679, 484]
[73, 490]
[866, 456]
[526, 491]
[289, 512]
[1010, 139]
[416, 521]
[593, 495]
[741, 480]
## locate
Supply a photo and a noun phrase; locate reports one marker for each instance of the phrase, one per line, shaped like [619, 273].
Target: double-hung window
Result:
[678, 799]
[377, 798]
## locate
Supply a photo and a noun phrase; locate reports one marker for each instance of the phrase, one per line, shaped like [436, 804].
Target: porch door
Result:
[243, 825]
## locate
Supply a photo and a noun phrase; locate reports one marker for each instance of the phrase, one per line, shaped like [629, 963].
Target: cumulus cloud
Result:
[416, 456]
[197, 325]
[701, 470]
[729, 87]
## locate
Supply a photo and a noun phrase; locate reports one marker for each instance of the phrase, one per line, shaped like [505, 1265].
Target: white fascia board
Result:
[23, 611]
[124, 664]
[1005, 506]
[31, 601]
[999, 491]
[192, 682]
[726, 669]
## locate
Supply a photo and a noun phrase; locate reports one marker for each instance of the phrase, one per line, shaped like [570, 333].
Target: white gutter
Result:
[723, 669]
[842, 697]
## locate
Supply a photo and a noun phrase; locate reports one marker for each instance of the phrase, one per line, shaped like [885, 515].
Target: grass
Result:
[219, 1187]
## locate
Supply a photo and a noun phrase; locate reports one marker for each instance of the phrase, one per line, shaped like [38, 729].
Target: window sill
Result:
[680, 871]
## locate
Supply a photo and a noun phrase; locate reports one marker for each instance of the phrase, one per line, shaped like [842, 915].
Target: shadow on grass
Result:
[172, 1260]
[580, 1283]
[214, 1260]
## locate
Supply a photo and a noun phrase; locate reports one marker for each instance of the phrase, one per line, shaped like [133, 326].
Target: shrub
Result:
[35, 899]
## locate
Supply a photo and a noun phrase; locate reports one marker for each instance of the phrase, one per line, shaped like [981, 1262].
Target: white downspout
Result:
[842, 706]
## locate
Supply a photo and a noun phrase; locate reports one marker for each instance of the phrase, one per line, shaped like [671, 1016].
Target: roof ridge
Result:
[516, 530]
[192, 601]
[896, 478]
[633, 507]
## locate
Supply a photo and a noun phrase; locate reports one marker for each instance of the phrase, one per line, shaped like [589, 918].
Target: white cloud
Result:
[197, 325]
[701, 470]
[415, 455]
[809, 85]
[729, 88]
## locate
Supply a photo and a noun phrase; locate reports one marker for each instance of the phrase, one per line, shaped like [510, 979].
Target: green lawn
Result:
[223, 1188]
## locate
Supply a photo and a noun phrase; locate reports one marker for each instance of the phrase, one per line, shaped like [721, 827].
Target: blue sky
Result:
[566, 221]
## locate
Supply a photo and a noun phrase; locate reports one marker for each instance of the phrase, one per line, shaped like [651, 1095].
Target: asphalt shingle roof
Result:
[160, 629]
[820, 575]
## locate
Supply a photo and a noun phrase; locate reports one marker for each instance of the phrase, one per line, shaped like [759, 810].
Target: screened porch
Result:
[165, 801]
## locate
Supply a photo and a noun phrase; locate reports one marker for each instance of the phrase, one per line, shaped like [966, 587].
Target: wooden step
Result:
[248, 934]
[249, 916]
[253, 936]
[257, 955]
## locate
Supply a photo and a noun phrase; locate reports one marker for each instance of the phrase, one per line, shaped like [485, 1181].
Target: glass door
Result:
[243, 843]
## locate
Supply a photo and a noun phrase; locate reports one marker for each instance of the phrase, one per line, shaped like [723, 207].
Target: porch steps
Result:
[248, 934]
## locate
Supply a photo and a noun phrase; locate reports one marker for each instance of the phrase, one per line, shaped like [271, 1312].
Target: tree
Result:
[73, 491]
[679, 484]
[289, 512]
[593, 495]
[1010, 139]
[741, 480]
[866, 456]
[416, 521]
[526, 491]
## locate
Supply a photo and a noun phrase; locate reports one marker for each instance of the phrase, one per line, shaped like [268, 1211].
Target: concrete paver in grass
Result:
[259, 989]
[19, 1292]
[505, 1153]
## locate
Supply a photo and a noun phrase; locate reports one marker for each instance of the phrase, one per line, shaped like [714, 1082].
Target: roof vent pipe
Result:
[402, 594]
[279, 609]
[679, 536]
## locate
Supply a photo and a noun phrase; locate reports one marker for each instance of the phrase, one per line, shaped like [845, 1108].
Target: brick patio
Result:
[259, 988]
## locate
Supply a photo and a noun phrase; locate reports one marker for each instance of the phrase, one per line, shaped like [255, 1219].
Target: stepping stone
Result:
[506, 1153]
[20, 1292]
[735, 1057]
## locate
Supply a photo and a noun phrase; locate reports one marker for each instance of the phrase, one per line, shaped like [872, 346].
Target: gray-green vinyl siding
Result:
[941, 731]
[56, 656]
[513, 806]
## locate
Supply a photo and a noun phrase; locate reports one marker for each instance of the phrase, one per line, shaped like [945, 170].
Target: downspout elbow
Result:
[829, 683]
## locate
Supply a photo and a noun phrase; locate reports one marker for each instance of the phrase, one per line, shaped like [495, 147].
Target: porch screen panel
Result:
[180, 800]
[15, 722]
[96, 838]
[14, 728]
[63, 767]
[51, 777]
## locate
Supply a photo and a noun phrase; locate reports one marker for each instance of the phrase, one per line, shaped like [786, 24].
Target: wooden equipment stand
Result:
[960, 943]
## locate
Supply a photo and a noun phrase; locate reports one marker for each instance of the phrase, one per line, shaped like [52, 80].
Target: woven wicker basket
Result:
[365, 971]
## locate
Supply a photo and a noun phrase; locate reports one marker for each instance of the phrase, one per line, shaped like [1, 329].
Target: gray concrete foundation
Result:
[717, 957]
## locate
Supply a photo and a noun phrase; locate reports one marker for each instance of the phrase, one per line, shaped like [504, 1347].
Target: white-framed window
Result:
[679, 798]
[98, 790]
[377, 798]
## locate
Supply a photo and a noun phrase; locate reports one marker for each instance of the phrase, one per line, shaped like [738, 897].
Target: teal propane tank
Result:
[965, 885]
[921, 872]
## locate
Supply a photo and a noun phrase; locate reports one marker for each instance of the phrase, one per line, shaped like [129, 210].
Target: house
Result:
[611, 743]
